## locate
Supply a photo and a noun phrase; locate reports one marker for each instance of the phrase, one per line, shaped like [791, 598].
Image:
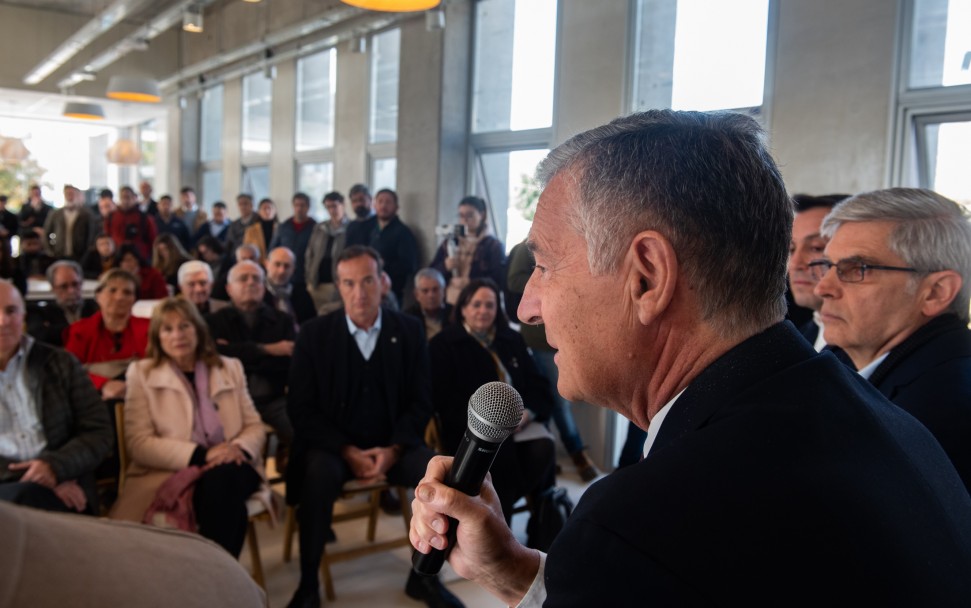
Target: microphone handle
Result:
[472, 461]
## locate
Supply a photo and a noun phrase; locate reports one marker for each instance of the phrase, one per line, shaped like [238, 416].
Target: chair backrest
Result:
[122, 447]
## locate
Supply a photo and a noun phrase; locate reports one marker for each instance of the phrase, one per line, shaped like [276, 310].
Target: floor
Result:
[377, 580]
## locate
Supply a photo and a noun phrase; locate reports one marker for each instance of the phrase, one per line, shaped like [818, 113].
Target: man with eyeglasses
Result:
[48, 321]
[895, 298]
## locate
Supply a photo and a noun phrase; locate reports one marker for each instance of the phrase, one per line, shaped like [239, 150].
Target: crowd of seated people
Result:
[268, 314]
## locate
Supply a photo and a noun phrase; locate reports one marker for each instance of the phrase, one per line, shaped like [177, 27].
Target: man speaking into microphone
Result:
[773, 475]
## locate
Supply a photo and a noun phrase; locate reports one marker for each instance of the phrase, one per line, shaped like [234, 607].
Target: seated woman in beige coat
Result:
[186, 405]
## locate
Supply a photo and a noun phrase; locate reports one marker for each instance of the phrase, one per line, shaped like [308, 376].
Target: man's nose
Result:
[529, 307]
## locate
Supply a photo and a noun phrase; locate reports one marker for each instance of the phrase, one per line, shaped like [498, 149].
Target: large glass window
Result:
[384, 173]
[211, 124]
[148, 144]
[940, 44]
[506, 180]
[715, 61]
[212, 188]
[514, 59]
[315, 180]
[316, 90]
[944, 155]
[256, 181]
[257, 110]
[385, 52]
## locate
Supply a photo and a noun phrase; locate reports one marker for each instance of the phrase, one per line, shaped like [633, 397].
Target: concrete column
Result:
[283, 137]
[232, 142]
[351, 118]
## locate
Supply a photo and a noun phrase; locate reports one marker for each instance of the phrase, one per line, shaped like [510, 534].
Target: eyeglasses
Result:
[849, 271]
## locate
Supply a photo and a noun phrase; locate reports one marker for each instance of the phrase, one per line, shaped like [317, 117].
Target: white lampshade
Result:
[13, 150]
[124, 152]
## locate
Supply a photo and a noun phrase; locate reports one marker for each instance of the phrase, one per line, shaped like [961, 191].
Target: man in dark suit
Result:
[359, 401]
[281, 292]
[430, 305]
[48, 321]
[773, 474]
[54, 429]
[390, 237]
[897, 303]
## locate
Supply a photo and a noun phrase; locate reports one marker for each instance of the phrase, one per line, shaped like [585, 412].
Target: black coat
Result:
[929, 376]
[778, 478]
[319, 395]
[46, 320]
[244, 343]
[460, 365]
[394, 242]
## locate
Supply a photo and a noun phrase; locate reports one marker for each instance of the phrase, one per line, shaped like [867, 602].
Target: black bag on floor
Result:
[550, 511]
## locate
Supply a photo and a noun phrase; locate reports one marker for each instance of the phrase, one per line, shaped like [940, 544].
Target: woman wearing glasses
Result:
[474, 253]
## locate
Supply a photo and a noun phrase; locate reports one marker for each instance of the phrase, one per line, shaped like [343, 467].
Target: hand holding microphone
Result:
[495, 410]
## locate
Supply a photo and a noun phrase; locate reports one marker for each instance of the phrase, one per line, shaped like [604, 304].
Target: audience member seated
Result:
[281, 293]
[54, 430]
[326, 242]
[478, 348]
[168, 256]
[33, 261]
[188, 406]
[101, 258]
[430, 305]
[107, 341]
[472, 254]
[262, 231]
[195, 284]
[48, 321]
[243, 252]
[808, 245]
[897, 303]
[34, 212]
[10, 270]
[359, 402]
[152, 284]
[216, 227]
[170, 223]
[262, 338]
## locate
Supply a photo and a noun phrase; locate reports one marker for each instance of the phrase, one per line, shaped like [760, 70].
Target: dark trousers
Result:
[325, 474]
[522, 469]
[219, 500]
[34, 495]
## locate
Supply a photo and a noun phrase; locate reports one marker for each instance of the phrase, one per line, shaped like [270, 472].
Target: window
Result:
[256, 181]
[506, 181]
[715, 61]
[385, 49]
[933, 119]
[212, 188]
[211, 124]
[148, 144]
[257, 108]
[514, 59]
[384, 173]
[316, 90]
[315, 180]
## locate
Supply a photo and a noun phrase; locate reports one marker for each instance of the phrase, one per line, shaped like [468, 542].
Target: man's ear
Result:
[938, 290]
[653, 274]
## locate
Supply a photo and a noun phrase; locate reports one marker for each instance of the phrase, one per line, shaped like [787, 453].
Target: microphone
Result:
[495, 410]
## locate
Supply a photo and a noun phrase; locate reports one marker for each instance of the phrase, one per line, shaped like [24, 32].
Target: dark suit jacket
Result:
[779, 477]
[929, 375]
[46, 320]
[396, 244]
[460, 365]
[245, 343]
[319, 395]
[300, 300]
[85, 231]
[75, 421]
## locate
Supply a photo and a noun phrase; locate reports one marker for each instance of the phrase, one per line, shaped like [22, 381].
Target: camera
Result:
[450, 231]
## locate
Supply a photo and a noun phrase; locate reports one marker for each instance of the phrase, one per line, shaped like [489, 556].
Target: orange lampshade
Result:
[86, 111]
[394, 6]
[133, 88]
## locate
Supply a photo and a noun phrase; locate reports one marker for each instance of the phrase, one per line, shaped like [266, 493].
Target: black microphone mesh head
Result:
[495, 410]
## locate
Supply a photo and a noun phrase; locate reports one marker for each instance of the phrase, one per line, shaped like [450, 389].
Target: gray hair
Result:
[52, 269]
[705, 181]
[249, 247]
[193, 266]
[430, 273]
[931, 232]
[238, 267]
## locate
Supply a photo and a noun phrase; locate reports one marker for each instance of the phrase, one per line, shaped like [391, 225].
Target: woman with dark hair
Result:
[151, 284]
[478, 348]
[473, 254]
[188, 406]
[167, 255]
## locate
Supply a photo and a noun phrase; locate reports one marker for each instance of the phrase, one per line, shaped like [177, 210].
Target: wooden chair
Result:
[370, 509]
[256, 505]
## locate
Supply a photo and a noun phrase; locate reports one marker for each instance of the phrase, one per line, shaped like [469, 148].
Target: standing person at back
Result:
[237, 229]
[386, 233]
[476, 254]
[774, 475]
[72, 229]
[320, 260]
[129, 226]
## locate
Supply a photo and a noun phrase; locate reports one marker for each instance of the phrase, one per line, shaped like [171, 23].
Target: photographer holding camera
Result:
[469, 250]
[128, 225]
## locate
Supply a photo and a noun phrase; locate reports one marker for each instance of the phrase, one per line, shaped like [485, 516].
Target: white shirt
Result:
[367, 339]
[21, 433]
[536, 594]
[820, 343]
[868, 370]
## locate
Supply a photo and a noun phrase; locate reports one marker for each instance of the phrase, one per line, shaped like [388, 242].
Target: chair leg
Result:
[405, 507]
[288, 530]
[372, 523]
[254, 552]
[328, 580]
